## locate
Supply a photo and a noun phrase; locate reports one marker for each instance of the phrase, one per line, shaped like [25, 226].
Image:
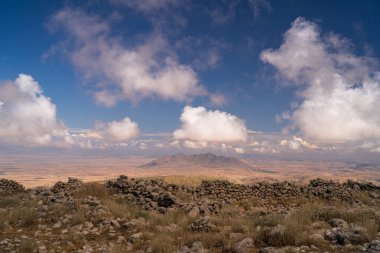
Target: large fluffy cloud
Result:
[117, 130]
[341, 99]
[127, 72]
[297, 143]
[27, 116]
[199, 124]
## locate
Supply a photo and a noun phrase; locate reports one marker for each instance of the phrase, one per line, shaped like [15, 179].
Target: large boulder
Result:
[166, 200]
[244, 246]
[374, 246]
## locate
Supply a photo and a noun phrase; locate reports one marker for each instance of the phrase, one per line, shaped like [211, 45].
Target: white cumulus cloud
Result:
[27, 116]
[296, 143]
[127, 72]
[199, 124]
[117, 130]
[341, 91]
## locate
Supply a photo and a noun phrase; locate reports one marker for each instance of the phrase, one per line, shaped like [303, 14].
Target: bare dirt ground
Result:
[45, 171]
[303, 171]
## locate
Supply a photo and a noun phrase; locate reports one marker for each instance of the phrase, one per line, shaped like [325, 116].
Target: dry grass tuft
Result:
[27, 246]
[164, 242]
[93, 189]
[121, 208]
[58, 210]
[25, 217]
[193, 180]
[13, 201]
[177, 217]
[22, 217]
[120, 248]
[269, 220]
[78, 218]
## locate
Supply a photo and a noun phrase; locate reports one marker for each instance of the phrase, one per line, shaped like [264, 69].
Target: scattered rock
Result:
[151, 194]
[338, 223]
[196, 247]
[374, 246]
[268, 250]
[42, 249]
[194, 212]
[135, 237]
[202, 224]
[343, 233]
[244, 246]
[278, 231]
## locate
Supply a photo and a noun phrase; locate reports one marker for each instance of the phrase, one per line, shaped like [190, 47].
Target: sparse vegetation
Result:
[75, 216]
[194, 180]
[92, 189]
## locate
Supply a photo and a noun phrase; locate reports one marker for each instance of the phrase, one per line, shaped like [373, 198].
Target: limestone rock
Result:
[244, 246]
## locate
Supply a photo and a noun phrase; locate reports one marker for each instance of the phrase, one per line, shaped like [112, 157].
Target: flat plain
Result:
[31, 170]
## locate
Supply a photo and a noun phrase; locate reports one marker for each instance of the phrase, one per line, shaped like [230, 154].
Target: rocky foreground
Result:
[151, 215]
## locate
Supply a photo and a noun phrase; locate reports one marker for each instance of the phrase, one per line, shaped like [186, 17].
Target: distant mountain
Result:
[208, 160]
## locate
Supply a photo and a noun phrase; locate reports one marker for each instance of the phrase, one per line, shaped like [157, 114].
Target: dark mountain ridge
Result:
[207, 160]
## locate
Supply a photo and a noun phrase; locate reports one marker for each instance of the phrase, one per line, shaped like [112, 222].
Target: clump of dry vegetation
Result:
[193, 180]
[17, 210]
[93, 189]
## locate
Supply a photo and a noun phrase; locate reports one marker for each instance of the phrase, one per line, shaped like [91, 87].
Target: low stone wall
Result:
[10, 187]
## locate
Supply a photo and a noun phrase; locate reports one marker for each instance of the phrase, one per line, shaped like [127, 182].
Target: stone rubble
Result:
[343, 233]
[150, 194]
[10, 187]
[317, 188]
[196, 247]
[58, 230]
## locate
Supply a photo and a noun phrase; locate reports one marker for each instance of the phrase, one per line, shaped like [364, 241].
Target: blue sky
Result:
[101, 62]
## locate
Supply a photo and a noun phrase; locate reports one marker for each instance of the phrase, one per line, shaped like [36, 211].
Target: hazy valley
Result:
[40, 171]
